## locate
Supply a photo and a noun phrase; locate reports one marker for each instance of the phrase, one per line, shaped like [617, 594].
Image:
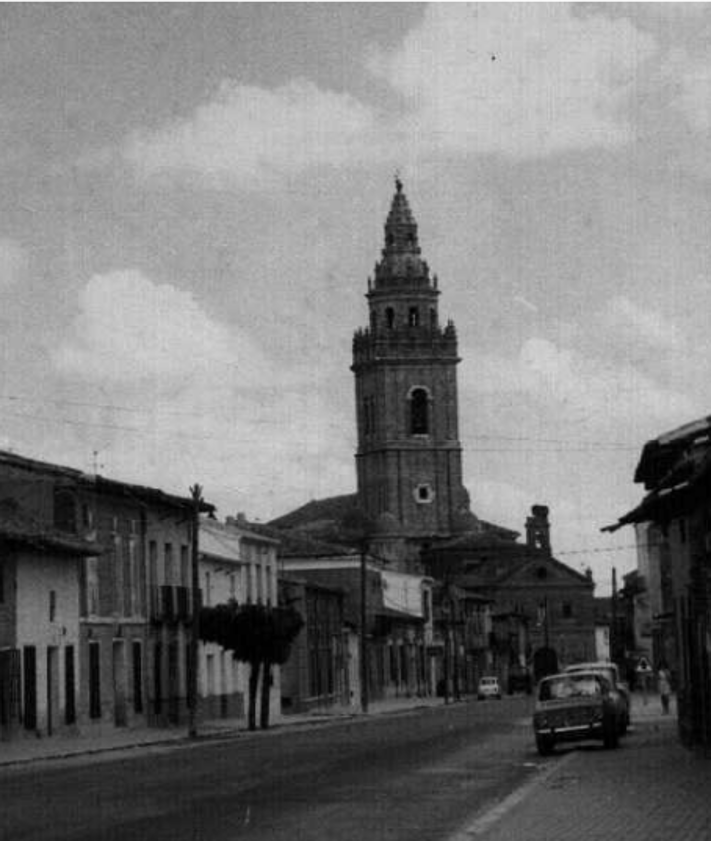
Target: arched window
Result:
[390, 317]
[433, 318]
[419, 412]
[414, 317]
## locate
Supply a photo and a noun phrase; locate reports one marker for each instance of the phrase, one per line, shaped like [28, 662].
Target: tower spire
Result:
[409, 455]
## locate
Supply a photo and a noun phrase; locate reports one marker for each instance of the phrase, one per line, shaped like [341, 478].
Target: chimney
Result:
[538, 529]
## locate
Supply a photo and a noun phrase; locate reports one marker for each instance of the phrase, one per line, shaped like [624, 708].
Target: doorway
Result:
[119, 674]
[52, 688]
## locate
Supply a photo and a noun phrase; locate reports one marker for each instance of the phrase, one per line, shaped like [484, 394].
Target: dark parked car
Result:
[575, 706]
[620, 691]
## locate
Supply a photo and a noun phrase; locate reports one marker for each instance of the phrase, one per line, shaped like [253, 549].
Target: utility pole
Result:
[363, 653]
[446, 611]
[196, 493]
[613, 618]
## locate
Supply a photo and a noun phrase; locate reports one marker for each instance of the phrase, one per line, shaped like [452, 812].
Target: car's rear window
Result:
[569, 686]
[603, 670]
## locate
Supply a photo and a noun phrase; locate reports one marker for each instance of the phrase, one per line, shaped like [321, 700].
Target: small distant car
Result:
[620, 692]
[488, 687]
[573, 707]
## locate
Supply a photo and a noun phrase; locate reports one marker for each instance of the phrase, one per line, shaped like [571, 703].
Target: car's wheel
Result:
[545, 745]
[610, 737]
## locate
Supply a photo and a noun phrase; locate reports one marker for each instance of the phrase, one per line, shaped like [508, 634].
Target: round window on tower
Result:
[424, 493]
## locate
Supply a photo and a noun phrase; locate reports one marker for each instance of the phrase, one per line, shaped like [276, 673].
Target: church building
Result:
[409, 458]
[411, 510]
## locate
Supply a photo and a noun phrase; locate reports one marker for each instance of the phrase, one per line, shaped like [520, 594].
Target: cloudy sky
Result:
[192, 198]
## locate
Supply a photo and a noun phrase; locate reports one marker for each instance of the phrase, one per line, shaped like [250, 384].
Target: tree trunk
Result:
[266, 688]
[254, 667]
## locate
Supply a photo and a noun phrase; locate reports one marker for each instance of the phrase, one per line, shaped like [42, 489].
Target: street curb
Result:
[226, 735]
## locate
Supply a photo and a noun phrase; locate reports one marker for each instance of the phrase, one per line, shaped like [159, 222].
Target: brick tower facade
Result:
[409, 458]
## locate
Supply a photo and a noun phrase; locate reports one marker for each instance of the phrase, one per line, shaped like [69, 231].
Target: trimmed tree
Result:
[257, 634]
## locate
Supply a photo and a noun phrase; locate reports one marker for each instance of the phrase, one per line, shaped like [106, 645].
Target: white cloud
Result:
[248, 134]
[642, 324]
[171, 396]
[129, 329]
[690, 79]
[13, 263]
[576, 388]
[520, 79]
[516, 79]
[500, 502]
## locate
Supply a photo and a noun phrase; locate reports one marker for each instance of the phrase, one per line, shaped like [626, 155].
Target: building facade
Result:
[124, 609]
[236, 565]
[317, 674]
[675, 470]
[398, 624]
[39, 626]
[538, 602]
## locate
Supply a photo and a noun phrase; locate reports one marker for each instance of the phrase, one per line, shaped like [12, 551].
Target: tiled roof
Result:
[690, 466]
[659, 454]
[318, 511]
[296, 544]
[100, 483]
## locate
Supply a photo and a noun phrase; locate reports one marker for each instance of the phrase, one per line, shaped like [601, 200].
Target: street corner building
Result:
[95, 601]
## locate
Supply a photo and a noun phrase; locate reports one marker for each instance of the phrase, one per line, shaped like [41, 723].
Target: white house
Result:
[239, 565]
[39, 627]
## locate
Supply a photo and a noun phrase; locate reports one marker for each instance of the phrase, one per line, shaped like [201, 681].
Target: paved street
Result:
[458, 773]
[417, 775]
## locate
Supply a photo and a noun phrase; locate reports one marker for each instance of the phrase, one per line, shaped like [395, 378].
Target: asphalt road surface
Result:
[417, 777]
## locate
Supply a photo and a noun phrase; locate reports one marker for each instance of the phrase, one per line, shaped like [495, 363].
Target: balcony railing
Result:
[170, 603]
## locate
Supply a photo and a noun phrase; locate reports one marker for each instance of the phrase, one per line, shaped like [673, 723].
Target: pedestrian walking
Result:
[664, 687]
[644, 673]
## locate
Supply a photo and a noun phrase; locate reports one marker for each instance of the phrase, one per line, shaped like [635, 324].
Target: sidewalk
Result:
[28, 750]
[650, 789]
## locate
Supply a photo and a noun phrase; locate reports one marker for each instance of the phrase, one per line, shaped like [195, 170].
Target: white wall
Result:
[37, 576]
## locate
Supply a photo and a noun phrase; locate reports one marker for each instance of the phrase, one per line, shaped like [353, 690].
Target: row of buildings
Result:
[96, 608]
[402, 587]
[664, 608]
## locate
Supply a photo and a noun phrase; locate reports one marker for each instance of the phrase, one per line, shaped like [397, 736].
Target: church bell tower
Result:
[409, 458]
